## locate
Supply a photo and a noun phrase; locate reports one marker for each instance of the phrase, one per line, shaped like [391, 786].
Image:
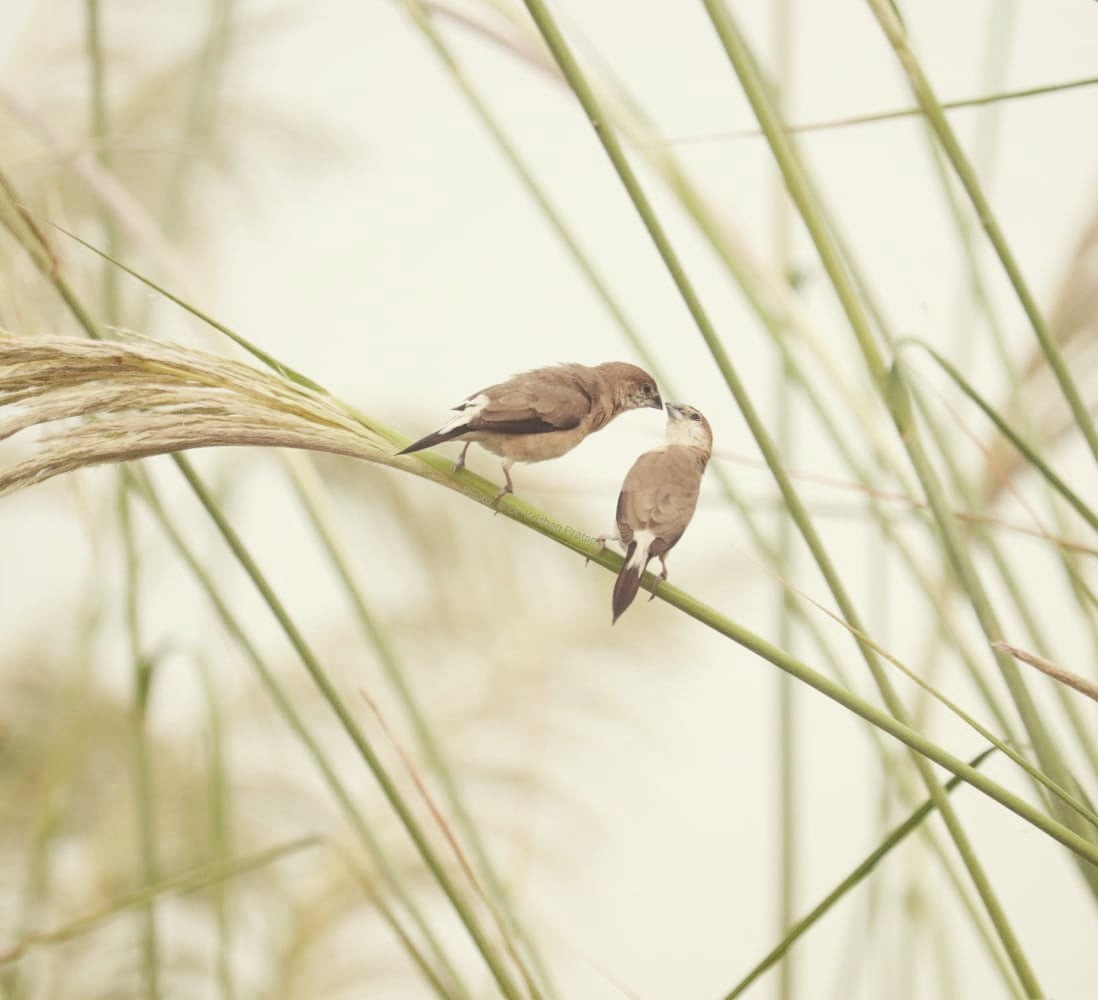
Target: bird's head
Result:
[686, 426]
[632, 388]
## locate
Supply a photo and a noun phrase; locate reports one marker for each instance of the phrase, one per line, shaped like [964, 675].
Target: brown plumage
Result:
[658, 499]
[544, 413]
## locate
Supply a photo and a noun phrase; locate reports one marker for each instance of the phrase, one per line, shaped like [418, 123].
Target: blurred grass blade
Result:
[309, 489]
[879, 117]
[788, 736]
[1066, 677]
[142, 762]
[220, 808]
[495, 962]
[257, 352]
[294, 720]
[1024, 447]
[190, 881]
[847, 885]
[896, 34]
[803, 191]
[1080, 807]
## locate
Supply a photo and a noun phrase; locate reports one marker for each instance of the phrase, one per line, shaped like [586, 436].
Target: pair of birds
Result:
[544, 413]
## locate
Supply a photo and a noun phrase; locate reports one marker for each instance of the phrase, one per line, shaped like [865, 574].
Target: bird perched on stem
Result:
[658, 499]
[544, 413]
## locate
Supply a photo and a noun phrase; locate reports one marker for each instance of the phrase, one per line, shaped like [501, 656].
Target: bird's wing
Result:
[537, 402]
[659, 495]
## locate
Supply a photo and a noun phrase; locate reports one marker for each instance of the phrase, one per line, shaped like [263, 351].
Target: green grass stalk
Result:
[101, 134]
[141, 751]
[220, 832]
[787, 721]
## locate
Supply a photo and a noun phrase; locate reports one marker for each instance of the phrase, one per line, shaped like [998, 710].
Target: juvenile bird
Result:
[658, 499]
[544, 413]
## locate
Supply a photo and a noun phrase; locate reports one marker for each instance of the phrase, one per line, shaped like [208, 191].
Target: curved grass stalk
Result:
[482, 491]
[437, 469]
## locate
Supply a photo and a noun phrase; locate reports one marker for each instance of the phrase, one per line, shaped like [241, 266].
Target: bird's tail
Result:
[438, 437]
[454, 427]
[628, 581]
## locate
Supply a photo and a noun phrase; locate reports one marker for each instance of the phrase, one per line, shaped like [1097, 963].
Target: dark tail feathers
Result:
[628, 582]
[438, 437]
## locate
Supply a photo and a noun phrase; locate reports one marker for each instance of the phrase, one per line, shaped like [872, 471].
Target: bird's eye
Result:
[695, 416]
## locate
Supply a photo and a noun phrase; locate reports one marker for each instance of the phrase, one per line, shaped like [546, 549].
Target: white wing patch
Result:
[467, 411]
[644, 540]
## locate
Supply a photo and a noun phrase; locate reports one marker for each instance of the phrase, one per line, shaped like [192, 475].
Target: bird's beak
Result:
[674, 410]
[657, 403]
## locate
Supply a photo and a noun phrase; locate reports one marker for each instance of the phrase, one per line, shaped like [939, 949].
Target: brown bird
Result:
[544, 413]
[658, 499]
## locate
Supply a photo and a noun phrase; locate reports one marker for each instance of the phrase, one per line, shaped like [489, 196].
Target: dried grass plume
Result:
[142, 397]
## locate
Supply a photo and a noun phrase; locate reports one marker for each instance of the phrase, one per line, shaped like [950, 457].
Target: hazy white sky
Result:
[412, 268]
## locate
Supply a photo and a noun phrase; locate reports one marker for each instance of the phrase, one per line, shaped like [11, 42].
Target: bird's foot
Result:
[601, 545]
[659, 580]
[500, 495]
[460, 463]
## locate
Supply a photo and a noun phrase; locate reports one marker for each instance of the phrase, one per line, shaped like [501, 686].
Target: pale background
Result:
[403, 266]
